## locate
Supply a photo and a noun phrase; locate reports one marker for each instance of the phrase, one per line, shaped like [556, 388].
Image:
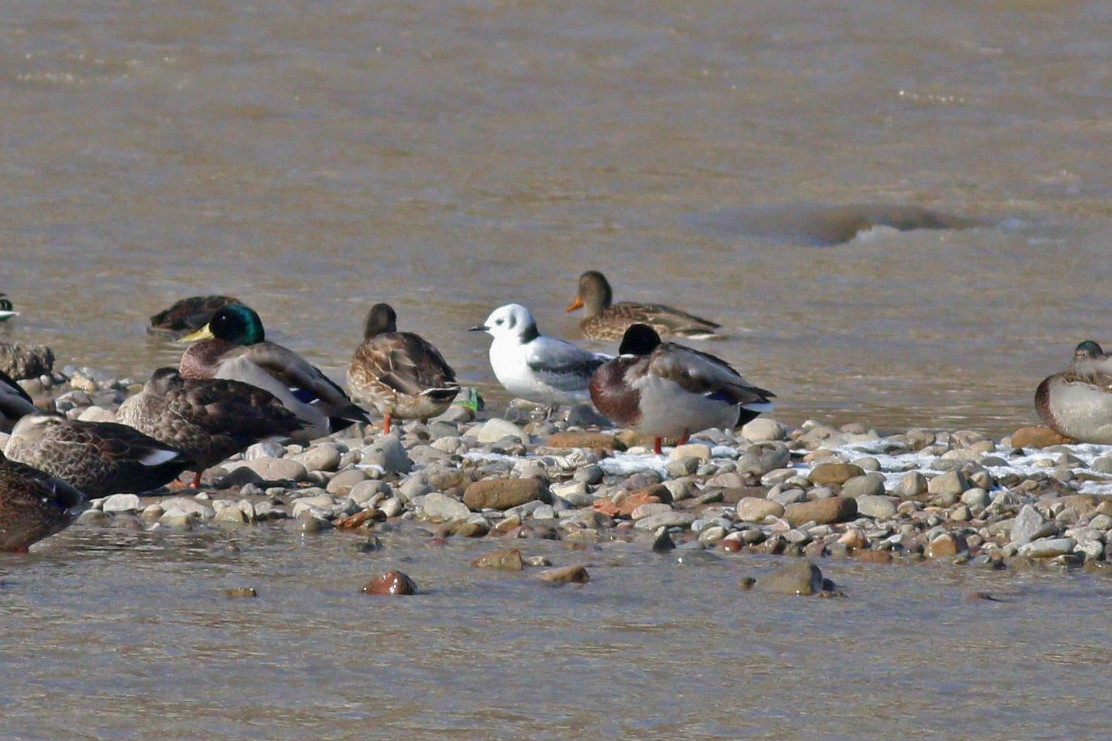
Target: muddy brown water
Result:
[451, 157]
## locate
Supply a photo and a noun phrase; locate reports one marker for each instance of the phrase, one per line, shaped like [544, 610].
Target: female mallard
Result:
[187, 315]
[607, 321]
[6, 311]
[1077, 402]
[668, 390]
[209, 419]
[14, 402]
[99, 458]
[400, 373]
[233, 346]
[33, 505]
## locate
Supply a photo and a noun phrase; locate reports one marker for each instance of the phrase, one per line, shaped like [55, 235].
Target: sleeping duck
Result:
[1077, 402]
[670, 391]
[33, 505]
[208, 419]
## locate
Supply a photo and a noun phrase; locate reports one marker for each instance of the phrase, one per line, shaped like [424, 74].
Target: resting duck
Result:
[14, 402]
[233, 346]
[187, 315]
[400, 373]
[1077, 402]
[533, 366]
[607, 321]
[669, 391]
[99, 458]
[33, 505]
[208, 419]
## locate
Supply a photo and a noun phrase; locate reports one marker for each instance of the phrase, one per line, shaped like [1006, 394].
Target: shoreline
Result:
[814, 490]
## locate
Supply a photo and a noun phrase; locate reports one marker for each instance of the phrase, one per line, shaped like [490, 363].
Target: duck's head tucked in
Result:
[510, 321]
[380, 319]
[668, 390]
[639, 339]
[238, 324]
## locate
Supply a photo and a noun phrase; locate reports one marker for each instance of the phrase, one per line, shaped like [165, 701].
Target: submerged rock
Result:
[390, 583]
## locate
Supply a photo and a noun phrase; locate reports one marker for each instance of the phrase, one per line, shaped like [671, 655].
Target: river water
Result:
[448, 157]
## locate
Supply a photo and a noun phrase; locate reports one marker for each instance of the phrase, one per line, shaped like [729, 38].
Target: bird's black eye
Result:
[498, 321]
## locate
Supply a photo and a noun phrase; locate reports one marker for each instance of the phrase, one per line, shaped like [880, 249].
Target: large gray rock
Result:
[495, 429]
[761, 458]
[877, 507]
[440, 507]
[1030, 525]
[388, 453]
[871, 484]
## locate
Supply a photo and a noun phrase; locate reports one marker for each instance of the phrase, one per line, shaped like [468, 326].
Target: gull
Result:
[534, 366]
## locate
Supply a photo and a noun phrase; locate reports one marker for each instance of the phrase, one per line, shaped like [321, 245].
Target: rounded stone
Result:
[871, 484]
[825, 474]
[390, 583]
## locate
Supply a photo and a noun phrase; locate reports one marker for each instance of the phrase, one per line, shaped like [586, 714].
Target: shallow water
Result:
[451, 157]
[131, 636]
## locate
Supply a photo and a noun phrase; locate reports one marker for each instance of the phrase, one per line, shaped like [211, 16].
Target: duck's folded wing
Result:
[701, 373]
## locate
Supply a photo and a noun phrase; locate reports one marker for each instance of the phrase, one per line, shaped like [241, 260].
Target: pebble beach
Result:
[813, 491]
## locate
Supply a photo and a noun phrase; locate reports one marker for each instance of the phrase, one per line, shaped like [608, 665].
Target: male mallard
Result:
[14, 402]
[607, 321]
[400, 373]
[187, 315]
[99, 458]
[33, 505]
[1077, 402]
[668, 390]
[534, 366]
[209, 419]
[233, 345]
[6, 311]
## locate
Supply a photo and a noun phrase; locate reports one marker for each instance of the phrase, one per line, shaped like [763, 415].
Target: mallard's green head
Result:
[1087, 349]
[235, 323]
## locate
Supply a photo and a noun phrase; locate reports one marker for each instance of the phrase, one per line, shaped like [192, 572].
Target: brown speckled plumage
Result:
[99, 458]
[609, 321]
[208, 419]
[33, 505]
[400, 373]
[187, 315]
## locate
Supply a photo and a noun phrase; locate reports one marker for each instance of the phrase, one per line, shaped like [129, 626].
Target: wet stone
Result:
[390, 583]
[797, 577]
[576, 574]
[506, 559]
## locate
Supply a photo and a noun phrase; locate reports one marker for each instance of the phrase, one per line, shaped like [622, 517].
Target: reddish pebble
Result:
[730, 545]
[392, 582]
